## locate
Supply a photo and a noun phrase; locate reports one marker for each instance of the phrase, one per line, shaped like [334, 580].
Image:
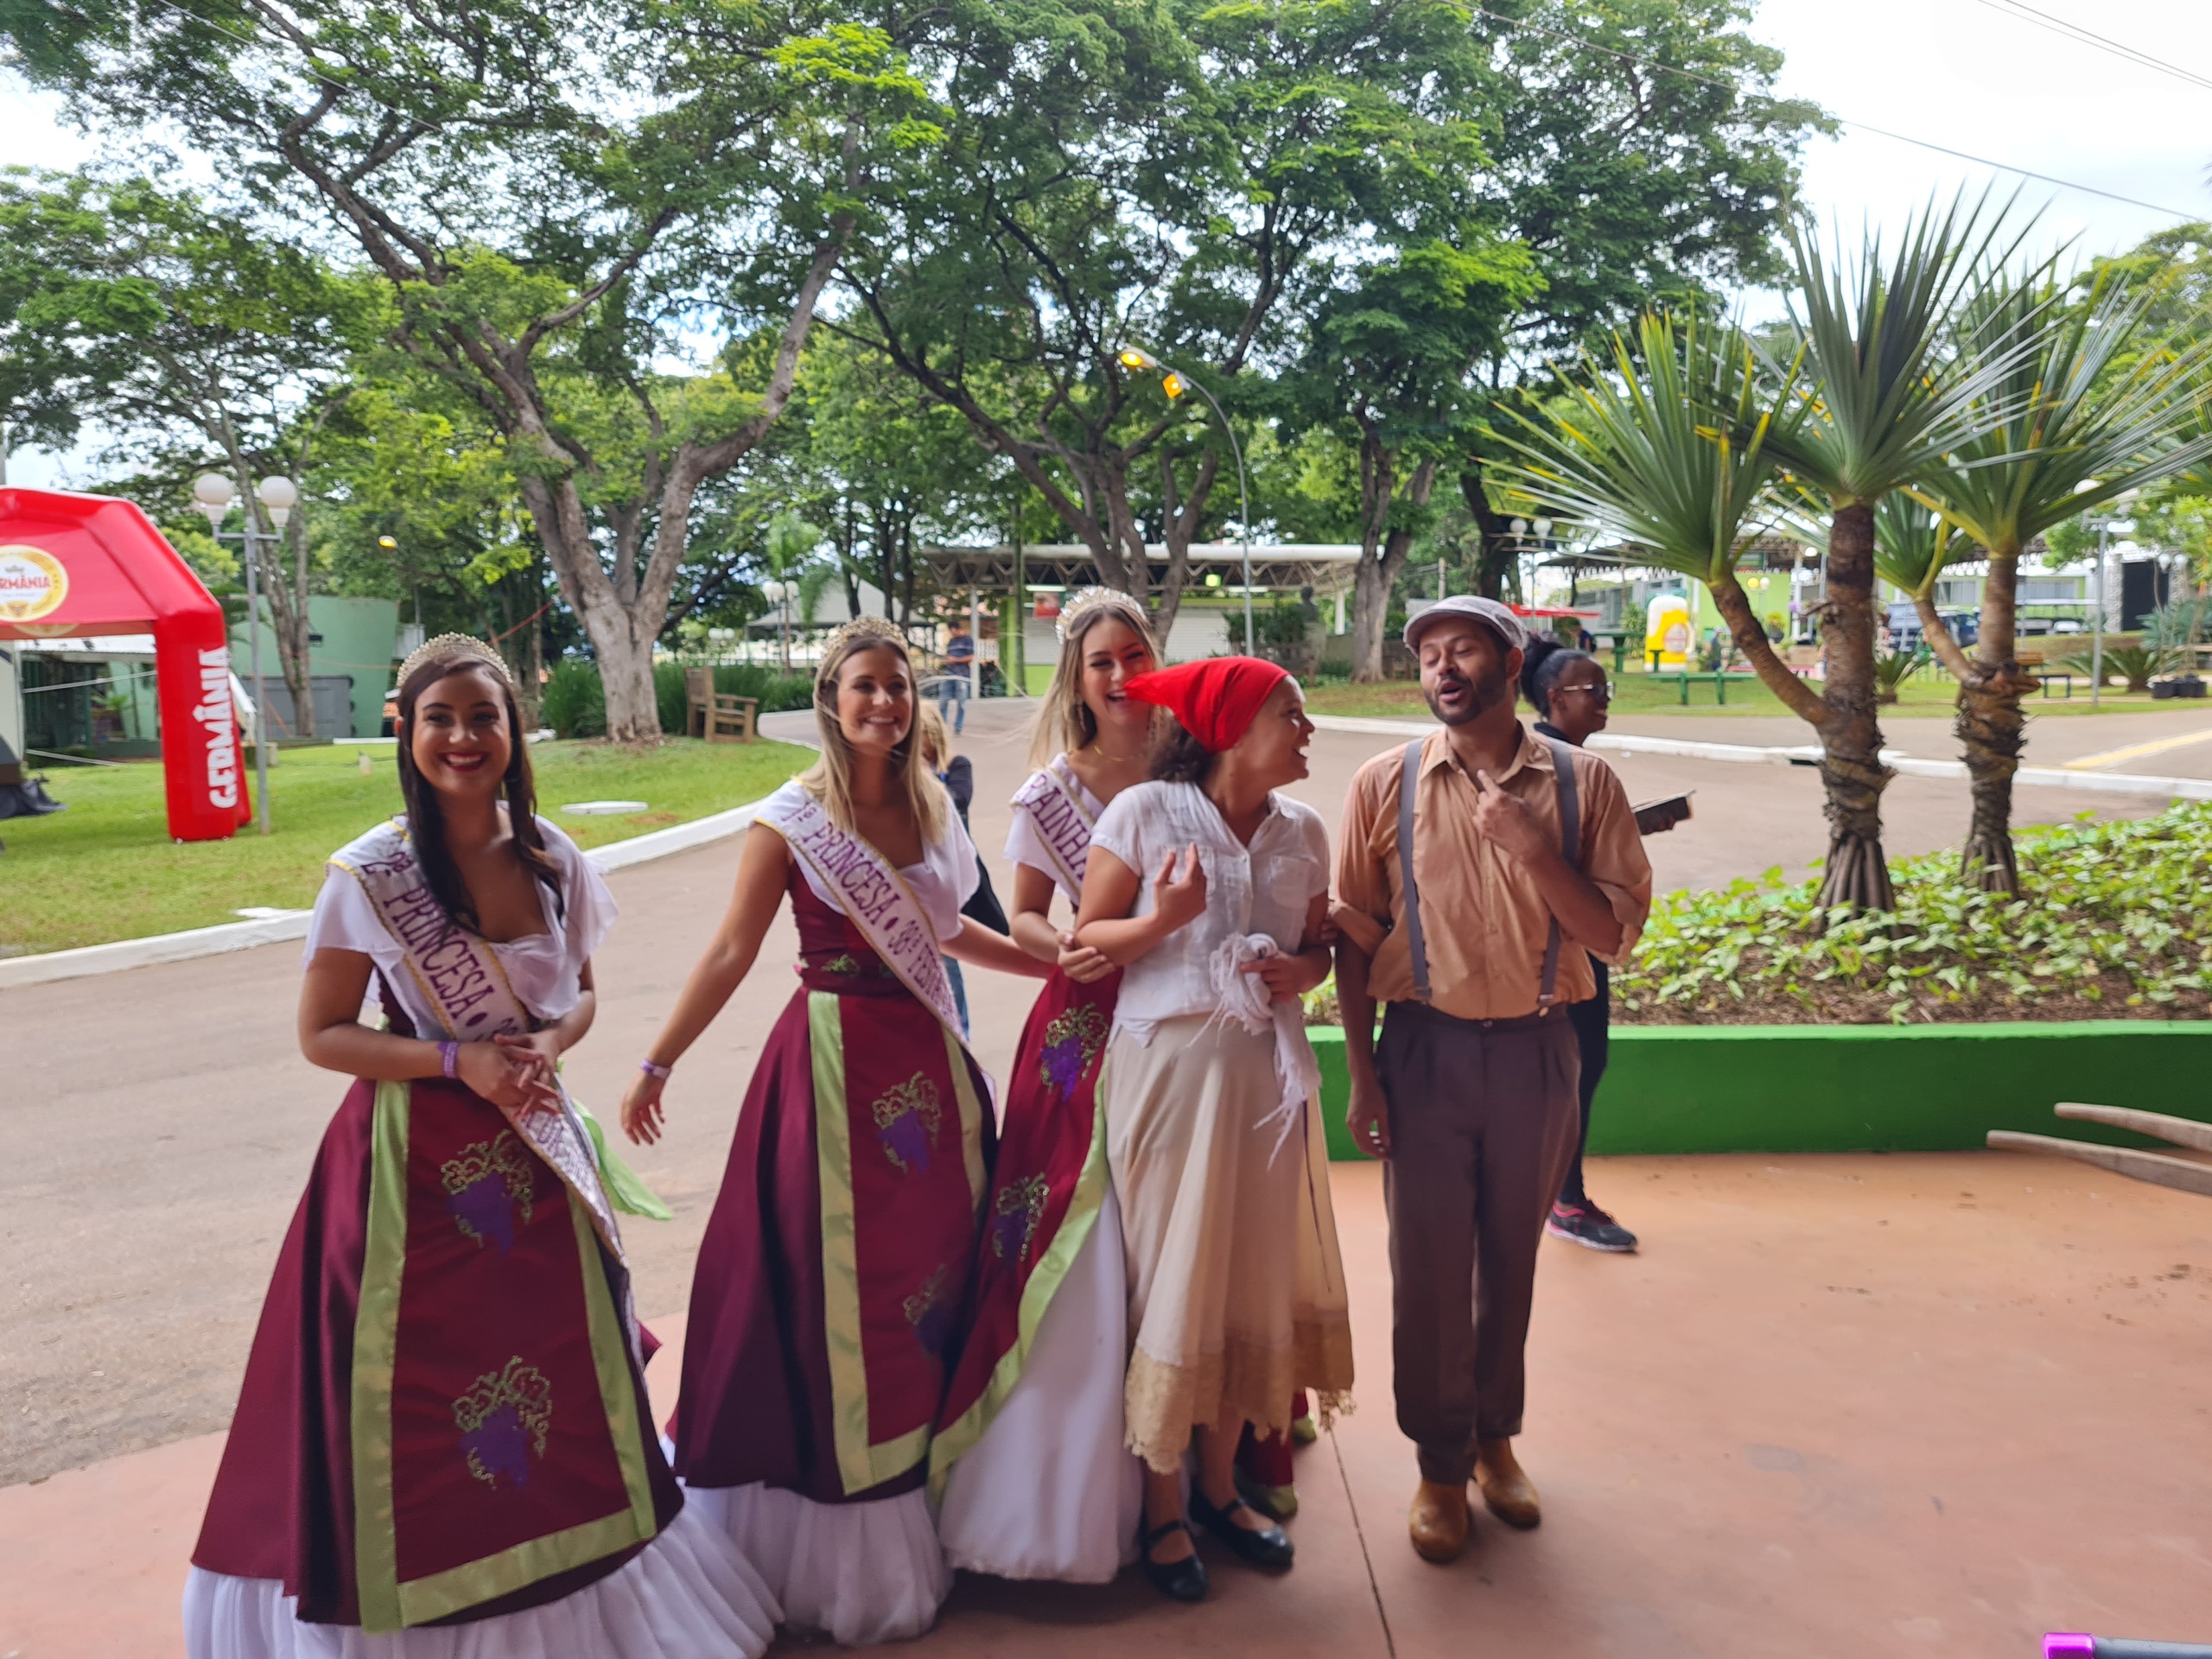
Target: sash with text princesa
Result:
[460, 977]
[872, 894]
[1052, 800]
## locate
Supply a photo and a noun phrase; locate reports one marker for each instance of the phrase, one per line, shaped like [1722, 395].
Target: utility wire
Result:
[2029, 14]
[1844, 121]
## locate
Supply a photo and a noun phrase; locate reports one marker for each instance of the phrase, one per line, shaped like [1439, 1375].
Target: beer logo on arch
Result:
[33, 583]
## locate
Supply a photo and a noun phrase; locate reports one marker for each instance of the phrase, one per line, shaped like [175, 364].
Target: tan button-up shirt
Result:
[1482, 922]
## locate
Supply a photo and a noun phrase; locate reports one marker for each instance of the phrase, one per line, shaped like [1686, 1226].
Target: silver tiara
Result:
[848, 635]
[457, 644]
[1087, 600]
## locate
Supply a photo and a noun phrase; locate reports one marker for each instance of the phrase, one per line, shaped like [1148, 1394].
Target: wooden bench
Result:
[717, 715]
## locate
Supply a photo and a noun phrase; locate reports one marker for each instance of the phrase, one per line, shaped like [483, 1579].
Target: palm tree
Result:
[1885, 395]
[1669, 443]
[1913, 546]
[2090, 404]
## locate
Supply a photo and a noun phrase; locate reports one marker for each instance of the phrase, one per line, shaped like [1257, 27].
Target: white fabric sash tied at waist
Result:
[1244, 999]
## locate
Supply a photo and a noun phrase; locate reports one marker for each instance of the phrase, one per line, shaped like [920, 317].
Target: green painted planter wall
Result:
[1864, 1087]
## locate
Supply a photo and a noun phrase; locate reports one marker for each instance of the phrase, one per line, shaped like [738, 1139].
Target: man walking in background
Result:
[1474, 868]
[959, 677]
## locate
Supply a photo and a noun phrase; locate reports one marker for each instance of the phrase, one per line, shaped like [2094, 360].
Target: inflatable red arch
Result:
[94, 564]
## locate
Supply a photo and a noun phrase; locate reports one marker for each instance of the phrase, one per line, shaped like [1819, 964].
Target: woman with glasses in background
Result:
[1569, 692]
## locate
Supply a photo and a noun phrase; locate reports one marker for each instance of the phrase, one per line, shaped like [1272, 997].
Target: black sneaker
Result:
[1592, 1228]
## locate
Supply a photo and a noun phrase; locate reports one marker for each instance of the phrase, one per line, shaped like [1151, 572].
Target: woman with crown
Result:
[1043, 1487]
[833, 1277]
[443, 1445]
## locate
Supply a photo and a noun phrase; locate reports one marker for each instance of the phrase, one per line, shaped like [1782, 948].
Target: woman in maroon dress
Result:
[443, 1438]
[832, 1282]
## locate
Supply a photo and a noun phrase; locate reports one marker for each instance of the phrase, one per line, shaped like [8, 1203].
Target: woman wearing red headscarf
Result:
[1210, 891]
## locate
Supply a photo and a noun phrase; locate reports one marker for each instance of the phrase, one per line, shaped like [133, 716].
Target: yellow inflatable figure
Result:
[1667, 632]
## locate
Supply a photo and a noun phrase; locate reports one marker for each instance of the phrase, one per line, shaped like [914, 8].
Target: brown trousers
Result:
[1483, 1116]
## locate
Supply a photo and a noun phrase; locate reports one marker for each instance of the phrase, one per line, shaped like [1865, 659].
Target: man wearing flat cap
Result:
[1474, 868]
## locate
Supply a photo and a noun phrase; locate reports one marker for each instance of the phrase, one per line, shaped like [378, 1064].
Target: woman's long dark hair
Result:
[426, 819]
[1542, 661]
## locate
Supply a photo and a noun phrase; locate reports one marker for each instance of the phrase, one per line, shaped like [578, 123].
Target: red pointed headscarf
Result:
[1216, 700]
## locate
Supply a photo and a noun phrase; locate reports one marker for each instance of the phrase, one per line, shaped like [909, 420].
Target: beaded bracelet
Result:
[449, 1059]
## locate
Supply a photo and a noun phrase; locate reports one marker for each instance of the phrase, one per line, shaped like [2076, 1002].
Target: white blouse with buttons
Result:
[1266, 888]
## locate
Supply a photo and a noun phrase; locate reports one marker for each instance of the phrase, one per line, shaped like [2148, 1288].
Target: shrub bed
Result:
[2111, 924]
[574, 700]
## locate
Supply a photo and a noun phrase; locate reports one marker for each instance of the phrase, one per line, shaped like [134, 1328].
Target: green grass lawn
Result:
[1923, 696]
[106, 868]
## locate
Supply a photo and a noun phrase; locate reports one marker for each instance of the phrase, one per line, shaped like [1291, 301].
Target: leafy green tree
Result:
[2090, 403]
[1387, 367]
[541, 181]
[1637, 150]
[172, 325]
[1182, 177]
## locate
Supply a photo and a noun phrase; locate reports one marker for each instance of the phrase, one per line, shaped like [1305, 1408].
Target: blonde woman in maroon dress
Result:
[828, 1299]
[1043, 1487]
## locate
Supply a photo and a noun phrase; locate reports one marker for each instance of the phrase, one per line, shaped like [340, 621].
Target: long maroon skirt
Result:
[491, 1422]
[1045, 1191]
[828, 1296]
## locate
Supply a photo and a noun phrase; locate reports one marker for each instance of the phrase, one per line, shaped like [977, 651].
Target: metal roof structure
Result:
[1278, 567]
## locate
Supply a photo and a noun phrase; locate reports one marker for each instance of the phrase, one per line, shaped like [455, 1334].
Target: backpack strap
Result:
[1570, 846]
[1409, 780]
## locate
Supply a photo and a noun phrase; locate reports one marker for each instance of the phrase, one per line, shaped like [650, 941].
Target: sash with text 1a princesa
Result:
[1052, 798]
[460, 977]
[873, 896]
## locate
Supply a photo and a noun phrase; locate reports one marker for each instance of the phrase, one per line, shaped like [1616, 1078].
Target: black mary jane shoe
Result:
[1268, 1547]
[1183, 1581]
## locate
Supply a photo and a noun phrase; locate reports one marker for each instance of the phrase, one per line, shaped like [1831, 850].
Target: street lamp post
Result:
[212, 494]
[1175, 384]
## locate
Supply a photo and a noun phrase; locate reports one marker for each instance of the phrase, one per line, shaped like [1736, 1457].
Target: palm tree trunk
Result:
[1992, 729]
[1735, 607]
[1857, 874]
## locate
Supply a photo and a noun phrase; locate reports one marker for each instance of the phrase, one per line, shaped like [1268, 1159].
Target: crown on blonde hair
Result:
[1084, 601]
[854, 635]
[457, 644]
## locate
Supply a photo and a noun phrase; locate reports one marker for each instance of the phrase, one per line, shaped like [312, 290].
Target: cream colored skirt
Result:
[1237, 1289]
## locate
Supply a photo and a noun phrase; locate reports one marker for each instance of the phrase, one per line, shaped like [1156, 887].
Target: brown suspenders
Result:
[1570, 837]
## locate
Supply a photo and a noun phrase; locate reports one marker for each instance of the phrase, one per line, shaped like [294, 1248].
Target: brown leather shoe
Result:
[1437, 1521]
[1509, 1493]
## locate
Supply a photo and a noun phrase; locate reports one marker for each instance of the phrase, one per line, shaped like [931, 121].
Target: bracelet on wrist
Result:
[652, 1068]
[449, 1059]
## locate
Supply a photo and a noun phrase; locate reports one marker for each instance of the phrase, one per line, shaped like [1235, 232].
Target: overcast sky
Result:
[1969, 75]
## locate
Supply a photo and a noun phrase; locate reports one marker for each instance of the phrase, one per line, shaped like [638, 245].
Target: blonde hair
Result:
[1064, 722]
[931, 741]
[829, 780]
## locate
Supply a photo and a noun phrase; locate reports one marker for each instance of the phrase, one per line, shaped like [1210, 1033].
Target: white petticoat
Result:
[1051, 1492]
[687, 1595]
[862, 1572]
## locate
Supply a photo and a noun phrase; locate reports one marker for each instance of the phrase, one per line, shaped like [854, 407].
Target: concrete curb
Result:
[121, 954]
[2094, 783]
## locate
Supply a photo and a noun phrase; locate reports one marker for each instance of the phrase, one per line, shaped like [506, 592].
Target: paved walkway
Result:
[1830, 1409]
[1839, 1407]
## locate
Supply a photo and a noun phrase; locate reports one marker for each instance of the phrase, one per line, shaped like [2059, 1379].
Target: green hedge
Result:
[1677, 1089]
[575, 703]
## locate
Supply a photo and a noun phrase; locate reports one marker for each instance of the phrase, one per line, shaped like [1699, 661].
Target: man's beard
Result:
[1484, 694]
